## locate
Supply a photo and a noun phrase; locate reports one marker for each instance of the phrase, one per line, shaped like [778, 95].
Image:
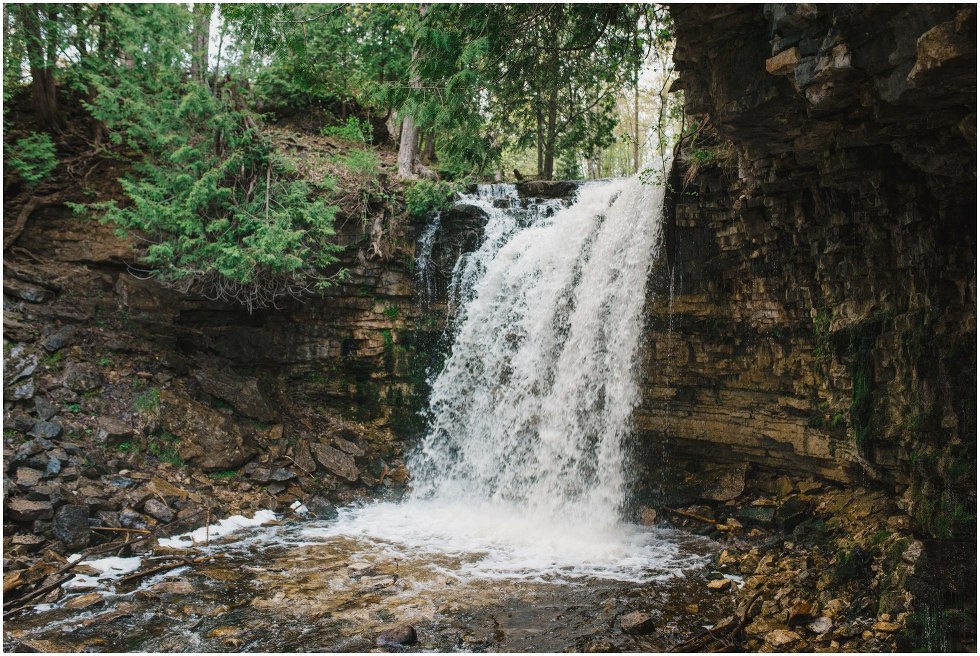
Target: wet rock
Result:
[718, 482]
[46, 429]
[27, 477]
[636, 623]
[400, 635]
[71, 526]
[81, 377]
[547, 188]
[242, 393]
[648, 516]
[172, 587]
[321, 508]
[756, 515]
[113, 432]
[24, 510]
[336, 462]
[209, 439]
[722, 585]
[600, 647]
[85, 601]
[44, 409]
[59, 339]
[158, 510]
[356, 570]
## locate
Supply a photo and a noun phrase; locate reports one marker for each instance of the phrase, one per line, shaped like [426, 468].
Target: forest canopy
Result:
[187, 94]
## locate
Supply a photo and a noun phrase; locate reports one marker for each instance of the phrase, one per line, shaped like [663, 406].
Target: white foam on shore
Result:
[218, 530]
[109, 569]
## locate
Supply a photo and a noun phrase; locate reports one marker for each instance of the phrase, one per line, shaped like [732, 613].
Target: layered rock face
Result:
[816, 309]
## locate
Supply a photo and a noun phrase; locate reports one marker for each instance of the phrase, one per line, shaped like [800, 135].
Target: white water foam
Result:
[523, 473]
[217, 530]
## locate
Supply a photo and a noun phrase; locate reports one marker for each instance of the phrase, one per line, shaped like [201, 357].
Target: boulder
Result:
[242, 393]
[81, 377]
[113, 432]
[45, 410]
[718, 483]
[336, 462]
[636, 623]
[24, 510]
[21, 392]
[158, 510]
[648, 516]
[321, 508]
[348, 447]
[400, 635]
[208, 439]
[781, 638]
[791, 512]
[46, 429]
[303, 457]
[27, 477]
[59, 339]
[71, 526]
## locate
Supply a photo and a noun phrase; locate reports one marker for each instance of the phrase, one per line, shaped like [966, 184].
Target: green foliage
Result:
[52, 359]
[224, 475]
[354, 130]
[33, 158]
[164, 447]
[148, 401]
[425, 197]
[392, 312]
[74, 407]
[105, 361]
[359, 162]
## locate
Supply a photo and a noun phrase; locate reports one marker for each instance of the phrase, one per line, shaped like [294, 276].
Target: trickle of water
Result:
[534, 403]
[425, 277]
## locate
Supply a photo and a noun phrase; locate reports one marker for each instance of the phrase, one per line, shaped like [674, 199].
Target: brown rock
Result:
[648, 516]
[241, 392]
[113, 432]
[85, 601]
[782, 638]
[304, 457]
[719, 482]
[721, 585]
[27, 477]
[172, 587]
[784, 63]
[348, 447]
[887, 627]
[208, 439]
[400, 635]
[336, 462]
[800, 614]
[636, 623]
[22, 510]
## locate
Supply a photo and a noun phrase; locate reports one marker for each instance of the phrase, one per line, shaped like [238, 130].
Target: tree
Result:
[41, 43]
[408, 147]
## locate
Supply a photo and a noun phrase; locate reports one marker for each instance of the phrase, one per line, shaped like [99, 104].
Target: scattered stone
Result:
[172, 587]
[400, 635]
[807, 487]
[756, 515]
[123, 482]
[781, 638]
[131, 519]
[71, 526]
[44, 409]
[887, 627]
[800, 614]
[85, 601]
[336, 462]
[356, 570]
[600, 647]
[22, 421]
[899, 523]
[718, 482]
[793, 511]
[784, 487]
[281, 474]
[24, 510]
[82, 377]
[304, 458]
[348, 447]
[158, 510]
[27, 477]
[321, 508]
[113, 432]
[59, 339]
[53, 468]
[21, 392]
[29, 541]
[722, 585]
[648, 516]
[821, 625]
[693, 609]
[636, 623]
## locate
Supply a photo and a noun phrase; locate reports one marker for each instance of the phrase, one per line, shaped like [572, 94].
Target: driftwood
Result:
[723, 635]
[183, 562]
[688, 515]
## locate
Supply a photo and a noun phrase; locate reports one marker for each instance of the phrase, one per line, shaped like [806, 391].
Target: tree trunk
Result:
[408, 147]
[540, 136]
[202, 35]
[551, 138]
[429, 147]
[43, 90]
[636, 128]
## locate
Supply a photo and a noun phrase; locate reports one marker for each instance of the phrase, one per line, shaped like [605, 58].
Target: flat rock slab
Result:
[336, 462]
[636, 623]
[209, 439]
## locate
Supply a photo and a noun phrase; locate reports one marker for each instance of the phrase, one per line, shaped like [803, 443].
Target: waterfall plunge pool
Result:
[468, 578]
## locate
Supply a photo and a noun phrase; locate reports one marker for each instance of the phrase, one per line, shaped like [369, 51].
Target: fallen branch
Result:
[688, 515]
[183, 562]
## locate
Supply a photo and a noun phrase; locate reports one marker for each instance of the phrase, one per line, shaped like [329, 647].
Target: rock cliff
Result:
[816, 309]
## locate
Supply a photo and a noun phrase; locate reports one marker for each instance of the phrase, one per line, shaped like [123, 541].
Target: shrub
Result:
[354, 130]
[425, 197]
[33, 158]
[148, 401]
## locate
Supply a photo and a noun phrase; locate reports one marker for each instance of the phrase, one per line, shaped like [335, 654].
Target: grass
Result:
[224, 475]
[52, 360]
[164, 447]
[148, 401]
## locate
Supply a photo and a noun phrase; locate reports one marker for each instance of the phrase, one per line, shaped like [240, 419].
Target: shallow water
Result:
[472, 579]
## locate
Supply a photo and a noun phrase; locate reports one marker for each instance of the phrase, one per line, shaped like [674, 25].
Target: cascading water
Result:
[525, 464]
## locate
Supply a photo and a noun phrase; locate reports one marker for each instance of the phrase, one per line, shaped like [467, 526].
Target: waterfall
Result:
[533, 405]
[525, 468]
